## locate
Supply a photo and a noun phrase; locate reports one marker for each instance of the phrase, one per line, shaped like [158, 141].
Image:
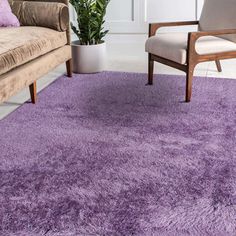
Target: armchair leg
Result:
[69, 68]
[218, 65]
[189, 83]
[150, 70]
[33, 92]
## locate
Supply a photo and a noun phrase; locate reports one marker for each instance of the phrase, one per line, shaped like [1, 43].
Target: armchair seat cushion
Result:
[21, 45]
[173, 46]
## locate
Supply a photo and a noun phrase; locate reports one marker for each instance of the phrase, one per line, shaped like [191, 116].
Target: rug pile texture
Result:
[105, 155]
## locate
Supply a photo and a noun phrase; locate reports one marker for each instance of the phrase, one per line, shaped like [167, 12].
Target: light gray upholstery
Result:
[218, 15]
[173, 46]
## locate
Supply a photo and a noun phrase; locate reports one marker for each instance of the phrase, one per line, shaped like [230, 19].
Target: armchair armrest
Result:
[199, 34]
[194, 36]
[153, 27]
[45, 14]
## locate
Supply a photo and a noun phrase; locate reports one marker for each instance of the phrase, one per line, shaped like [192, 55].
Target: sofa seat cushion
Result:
[21, 45]
[173, 46]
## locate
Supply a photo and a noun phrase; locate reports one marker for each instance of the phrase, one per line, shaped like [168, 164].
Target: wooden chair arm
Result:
[153, 27]
[194, 36]
[200, 34]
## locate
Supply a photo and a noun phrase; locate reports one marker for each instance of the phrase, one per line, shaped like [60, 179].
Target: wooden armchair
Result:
[215, 41]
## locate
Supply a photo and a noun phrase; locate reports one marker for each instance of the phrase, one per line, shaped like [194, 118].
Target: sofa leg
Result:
[69, 68]
[33, 92]
[218, 66]
[150, 69]
[189, 83]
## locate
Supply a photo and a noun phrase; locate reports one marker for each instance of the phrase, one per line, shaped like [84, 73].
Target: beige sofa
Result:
[37, 47]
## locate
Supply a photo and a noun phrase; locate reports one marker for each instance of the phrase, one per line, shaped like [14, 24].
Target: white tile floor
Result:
[125, 53]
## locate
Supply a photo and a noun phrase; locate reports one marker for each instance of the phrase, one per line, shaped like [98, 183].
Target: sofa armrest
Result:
[44, 14]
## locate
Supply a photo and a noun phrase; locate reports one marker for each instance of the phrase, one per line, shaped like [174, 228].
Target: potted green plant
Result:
[89, 51]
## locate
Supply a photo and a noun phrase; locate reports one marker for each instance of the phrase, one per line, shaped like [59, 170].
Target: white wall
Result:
[126, 16]
[171, 10]
[199, 7]
[133, 16]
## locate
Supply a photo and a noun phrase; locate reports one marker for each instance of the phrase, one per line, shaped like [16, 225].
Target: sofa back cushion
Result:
[219, 15]
[45, 14]
[7, 18]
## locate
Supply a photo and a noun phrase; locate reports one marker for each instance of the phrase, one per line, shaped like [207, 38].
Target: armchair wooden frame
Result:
[193, 58]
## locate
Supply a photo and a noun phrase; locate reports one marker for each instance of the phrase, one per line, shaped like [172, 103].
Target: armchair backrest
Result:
[219, 15]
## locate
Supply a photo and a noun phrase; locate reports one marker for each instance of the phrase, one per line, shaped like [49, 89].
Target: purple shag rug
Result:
[104, 155]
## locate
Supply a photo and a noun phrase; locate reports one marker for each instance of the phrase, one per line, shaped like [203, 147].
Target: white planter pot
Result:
[88, 58]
